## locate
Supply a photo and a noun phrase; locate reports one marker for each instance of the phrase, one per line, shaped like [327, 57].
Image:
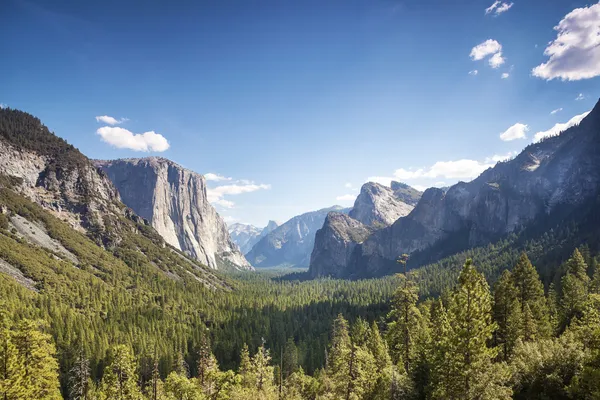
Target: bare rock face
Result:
[555, 175]
[291, 243]
[174, 200]
[334, 245]
[378, 205]
[246, 236]
[53, 173]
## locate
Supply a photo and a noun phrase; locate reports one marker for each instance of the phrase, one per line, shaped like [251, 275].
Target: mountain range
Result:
[556, 176]
[246, 235]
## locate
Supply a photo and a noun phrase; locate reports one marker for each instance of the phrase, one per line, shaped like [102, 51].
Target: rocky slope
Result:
[57, 205]
[376, 207]
[379, 206]
[291, 243]
[246, 236]
[557, 174]
[173, 199]
[334, 244]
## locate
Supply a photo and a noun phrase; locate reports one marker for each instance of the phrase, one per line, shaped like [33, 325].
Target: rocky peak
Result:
[175, 202]
[334, 245]
[378, 205]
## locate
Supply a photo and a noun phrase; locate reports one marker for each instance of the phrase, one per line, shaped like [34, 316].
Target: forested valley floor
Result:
[514, 340]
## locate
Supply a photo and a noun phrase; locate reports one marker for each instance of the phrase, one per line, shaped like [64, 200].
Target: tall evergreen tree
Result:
[530, 292]
[575, 286]
[80, 377]
[120, 377]
[405, 320]
[12, 371]
[507, 314]
[470, 319]
[38, 353]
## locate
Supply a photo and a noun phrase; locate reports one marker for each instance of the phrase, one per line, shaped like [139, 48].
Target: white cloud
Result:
[473, 72]
[485, 49]
[460, 169]
[503, 7]
[348, 185]
[124, 139]
[346, 198]
[404, 174]
[517, 131]
[500, 157]
[496, 60]
[498, 8]
[580, 96]
[215, 177]
[229, 219]
[505, 75]
[223, 203]
[575, 53]
[488, 48]
[2, 105]
[216, 195]
[420, 188]
[558, 128]
[110, 120]
[555, 111]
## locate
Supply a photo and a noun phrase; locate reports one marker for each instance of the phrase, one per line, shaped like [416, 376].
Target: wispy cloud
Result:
[110, 120]
[517, 131]
[123, 139]
[473, 72]
[500, 157]
[216, 195]
[346, 198]
[555, 111]
[215, 177]
[560, 127]
[580, 96]
[575, 53]
[488, 48]
[505, 75]
[498, 7]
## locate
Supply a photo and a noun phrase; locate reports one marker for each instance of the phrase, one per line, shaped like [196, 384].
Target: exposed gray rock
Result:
[174, 200]
[334, 244]
[246, 236]
[558, 173]
[291, 243]
[378, 205]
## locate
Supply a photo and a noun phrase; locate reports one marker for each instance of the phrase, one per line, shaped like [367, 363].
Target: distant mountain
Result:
[291, 243]
[246, 236]
[376, 207]
[555, 176]
[174, 200]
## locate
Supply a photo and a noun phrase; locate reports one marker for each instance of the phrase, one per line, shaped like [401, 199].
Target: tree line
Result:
[472, 342]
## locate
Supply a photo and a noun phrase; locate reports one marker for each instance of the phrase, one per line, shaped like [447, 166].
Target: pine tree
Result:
[263, 371]
[530, 291]
[80, 379]
[507, 314]
[206, 361]
[120, 378]
[246, 372]
[290, 358]
[405, 320]
[12, 371]
[39, 360]
[470, 320]
[575, 285]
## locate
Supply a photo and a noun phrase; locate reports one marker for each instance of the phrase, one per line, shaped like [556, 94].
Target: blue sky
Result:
[300, 102]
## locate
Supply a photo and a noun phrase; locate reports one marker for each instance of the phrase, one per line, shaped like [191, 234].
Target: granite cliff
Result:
[174, 200]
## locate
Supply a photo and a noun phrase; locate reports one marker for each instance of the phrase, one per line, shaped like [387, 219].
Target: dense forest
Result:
[472, 342]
